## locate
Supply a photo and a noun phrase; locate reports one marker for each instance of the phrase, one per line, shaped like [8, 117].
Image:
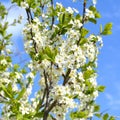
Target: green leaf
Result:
[7, 94]
[20, 95]
[93, 20]
[48, 54]
[3, 11]
[96, 108]
[16, 1]
[8, 37]
[78, 16]
[65, 18]
[80, 114]
[98, 115]
[19, 117]
[16, 66]
[107, 29]
[105, 116]
[92, 8]
[61, 18]
[23, 71]
[9, 88]
[84, 32]
[97, 15]
[87, 74]
[112, 118]
[39, 114]
[83, 41]
[95, 12]
[101, 88]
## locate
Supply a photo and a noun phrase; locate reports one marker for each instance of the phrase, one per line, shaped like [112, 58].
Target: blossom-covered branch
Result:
[63, 56]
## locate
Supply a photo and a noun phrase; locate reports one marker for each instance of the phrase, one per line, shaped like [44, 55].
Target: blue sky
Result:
[109, 58]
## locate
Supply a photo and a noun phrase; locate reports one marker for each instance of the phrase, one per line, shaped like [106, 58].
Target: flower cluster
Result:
[63, 56]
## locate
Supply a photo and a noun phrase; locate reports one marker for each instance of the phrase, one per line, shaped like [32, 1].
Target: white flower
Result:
[18, 75]
[36, 20]
[45, 64]
[3, 62]
[94, 2]
[80, 76]
[100, 40]
[70, 10]
[24, 109]
[24, 5]
[89, 13]
[30, 75]
[95, 93]
[15, 87]
[76, 23]
[59, 5]
[60, 91]
[30, 66]
[75, 10]
[29, 90]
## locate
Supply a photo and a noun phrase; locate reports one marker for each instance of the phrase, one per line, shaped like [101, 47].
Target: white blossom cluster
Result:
[70, 56]
[66, 63]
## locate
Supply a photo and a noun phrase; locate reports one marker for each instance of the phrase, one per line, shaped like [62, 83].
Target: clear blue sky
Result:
[109, 58]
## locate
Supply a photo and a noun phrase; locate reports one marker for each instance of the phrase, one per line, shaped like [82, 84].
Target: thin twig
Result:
[49, 109]
[3, 97]
[30, 19]
[53, 19]
[83, 19]
[66, 77]
[47, 97]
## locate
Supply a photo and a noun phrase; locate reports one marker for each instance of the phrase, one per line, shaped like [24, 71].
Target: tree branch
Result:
[83, 19]
[47, 89]
[53, 19]
[47, 97]
[49, 109]
[66, 77]
[30, 19]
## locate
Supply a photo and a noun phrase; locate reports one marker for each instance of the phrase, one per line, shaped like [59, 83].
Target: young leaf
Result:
[107, 29]
[101, 88]
[105, 116]
[93, 20]
[6, 91]
[21, 93]
[96, 108]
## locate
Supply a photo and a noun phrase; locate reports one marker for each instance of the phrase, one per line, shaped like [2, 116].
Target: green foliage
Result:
[96, 14]
[3, 11]
[96, 108]
[87, 74]
[83, 41]
[17, 1]
[79, 114]
[21, 93]
[62, 19]
[93, 20]
[84, 32]
[101, 88]
[107, 29]
[7, 91]
[107, 117]
[48, 54]
[65, 18]
[94, 10]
